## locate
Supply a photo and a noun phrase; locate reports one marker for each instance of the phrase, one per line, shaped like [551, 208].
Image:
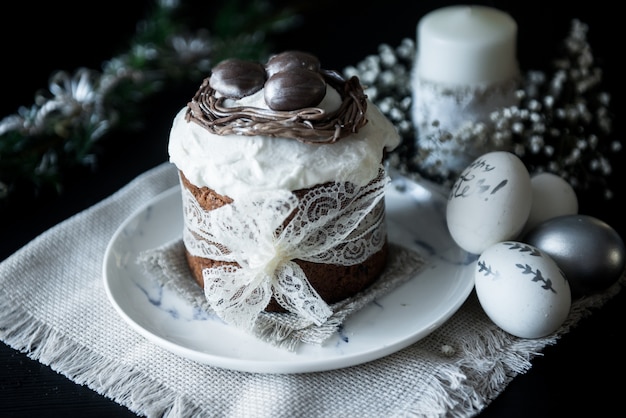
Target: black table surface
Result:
[580, 375]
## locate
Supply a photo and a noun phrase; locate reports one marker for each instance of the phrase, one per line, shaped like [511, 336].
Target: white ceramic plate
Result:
[415, 216]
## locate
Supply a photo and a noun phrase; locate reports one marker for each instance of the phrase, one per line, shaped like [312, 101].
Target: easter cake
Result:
[281, 168]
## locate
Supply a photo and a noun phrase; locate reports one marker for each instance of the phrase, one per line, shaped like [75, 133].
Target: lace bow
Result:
[265, 232]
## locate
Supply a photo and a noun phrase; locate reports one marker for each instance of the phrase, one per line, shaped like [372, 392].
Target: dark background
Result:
[580, 375]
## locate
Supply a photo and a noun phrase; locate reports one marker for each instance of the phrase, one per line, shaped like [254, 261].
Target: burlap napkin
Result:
[53, 306]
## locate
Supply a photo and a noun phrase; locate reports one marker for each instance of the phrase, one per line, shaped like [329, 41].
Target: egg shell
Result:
[489, 202]
[589, 251]
[521, 289]
[552, 196]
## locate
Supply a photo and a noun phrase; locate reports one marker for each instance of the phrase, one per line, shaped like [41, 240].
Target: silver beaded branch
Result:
[61, 131]
[563, 123]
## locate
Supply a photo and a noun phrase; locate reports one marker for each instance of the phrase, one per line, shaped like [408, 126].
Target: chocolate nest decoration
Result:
[310, 125]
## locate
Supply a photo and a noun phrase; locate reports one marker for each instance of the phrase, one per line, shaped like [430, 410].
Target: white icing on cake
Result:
[233, 165]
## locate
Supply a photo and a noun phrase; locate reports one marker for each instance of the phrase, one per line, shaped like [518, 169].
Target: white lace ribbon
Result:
[335, 224]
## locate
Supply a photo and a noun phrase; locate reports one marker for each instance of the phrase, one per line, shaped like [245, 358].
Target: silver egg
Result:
[590, 253]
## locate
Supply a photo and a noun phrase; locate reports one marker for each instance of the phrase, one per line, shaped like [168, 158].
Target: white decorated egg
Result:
[489, 202]
[522, 289]
[552, 197]
[589, 251]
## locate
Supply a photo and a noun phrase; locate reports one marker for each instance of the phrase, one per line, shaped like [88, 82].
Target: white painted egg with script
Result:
[522, 289]
[489, 202]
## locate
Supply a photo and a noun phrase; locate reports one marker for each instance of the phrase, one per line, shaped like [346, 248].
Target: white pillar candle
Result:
[465, 68]
[467, 45]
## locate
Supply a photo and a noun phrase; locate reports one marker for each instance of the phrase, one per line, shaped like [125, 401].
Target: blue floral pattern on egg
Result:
[522, 289]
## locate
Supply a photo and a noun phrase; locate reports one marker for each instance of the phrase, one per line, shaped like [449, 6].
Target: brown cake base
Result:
[332, 282]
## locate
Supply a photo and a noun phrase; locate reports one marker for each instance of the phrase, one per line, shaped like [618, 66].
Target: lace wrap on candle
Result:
[444, 114]
[262, 235]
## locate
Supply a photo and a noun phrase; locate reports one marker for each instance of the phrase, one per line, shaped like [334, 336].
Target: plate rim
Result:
[305, 365]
